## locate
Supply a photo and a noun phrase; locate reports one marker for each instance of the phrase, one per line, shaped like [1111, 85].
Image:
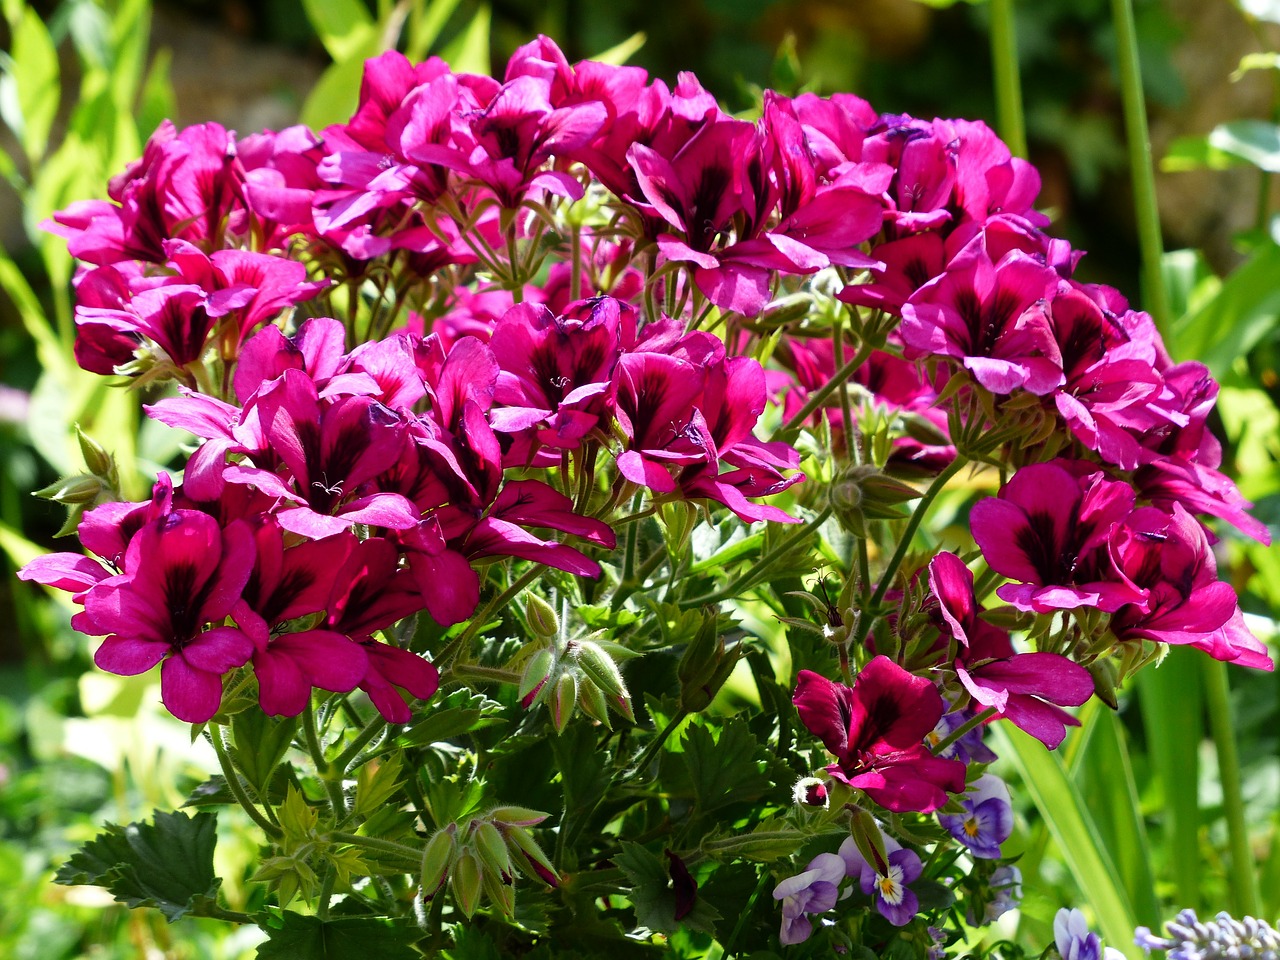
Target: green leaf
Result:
[375, 784]
[460, 712]
[1110, 786]
[425, 26]
[1254, 141]
[157, 102]
[1196, 153]
[620, 53]
[260, 744]
[652, 895]
[726, 770]
[336, 94]
[167, 865]
[1171, 697]
[32, 104]
[1073, 827]
[1244, 312]
[468, 52]
[343, 26]
[350, 938]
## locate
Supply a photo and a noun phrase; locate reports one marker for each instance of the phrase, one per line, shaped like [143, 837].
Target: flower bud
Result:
[436, 859]
[705, 665]
[591, 700]
[600, 668]
[528, 856]
[79, 488]
[466, 881]
[541, 617]
[810, 792]
[534, 678]
[500, 893]
[99, 462]
[678, 518]
[516, 816]
[492, 850]
[563, 698]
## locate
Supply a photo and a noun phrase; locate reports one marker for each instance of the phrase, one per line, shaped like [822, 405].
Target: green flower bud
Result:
[501, 893]
[563, 697]
[78, 488]
[591, 700]
[599, 667]
[528, 856]
[541, 617]
[436, 860]
[705, 665]
[516, 816]
[99, 462]
[492, 849]
[1105, 673]
[678, 518]
[537, 671]
[466, 881]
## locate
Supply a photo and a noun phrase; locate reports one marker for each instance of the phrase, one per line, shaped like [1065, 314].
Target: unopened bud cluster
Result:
[1222, 938]
[580, 675]
[480, 856]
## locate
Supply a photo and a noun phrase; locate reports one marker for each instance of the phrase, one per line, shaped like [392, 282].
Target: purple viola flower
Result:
[1006, 892]
[184, 574]
[887, 882]
[969, 748]
[815, 890]
[1075, 941]
[987, 820]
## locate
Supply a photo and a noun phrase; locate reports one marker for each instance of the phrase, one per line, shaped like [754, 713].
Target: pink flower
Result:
[876, 730]
[184, 576]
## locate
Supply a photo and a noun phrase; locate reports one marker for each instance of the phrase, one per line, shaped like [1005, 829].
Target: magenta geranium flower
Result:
[876, 730]
[979, 313]
[184, 577]
[1050, 529]
[1029, 689]
[1169, 555]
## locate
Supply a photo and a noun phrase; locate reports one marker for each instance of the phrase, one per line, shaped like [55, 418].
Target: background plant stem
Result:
[1140, 166]
[1008, 82]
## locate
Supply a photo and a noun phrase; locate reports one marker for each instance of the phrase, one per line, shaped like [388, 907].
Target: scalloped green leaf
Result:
[167, 864]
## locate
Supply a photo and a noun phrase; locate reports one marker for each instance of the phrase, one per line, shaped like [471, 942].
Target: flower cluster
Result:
[487, 322]
[1223, 936]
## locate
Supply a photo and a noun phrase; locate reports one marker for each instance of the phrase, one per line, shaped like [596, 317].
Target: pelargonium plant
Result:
[553, 564]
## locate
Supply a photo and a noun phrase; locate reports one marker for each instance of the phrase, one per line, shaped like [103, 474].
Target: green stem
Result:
[1004, 64]
[819, 396]
[759, 569]
[1244, 876]
[765, 877]
[371, 729]
[630, 585]
[976, 720]
[652, 749]
[336, 802]
[411, 854]
[868, 617]
[478, 671]
[479, 620]
[1140, 166]
[232, 778]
